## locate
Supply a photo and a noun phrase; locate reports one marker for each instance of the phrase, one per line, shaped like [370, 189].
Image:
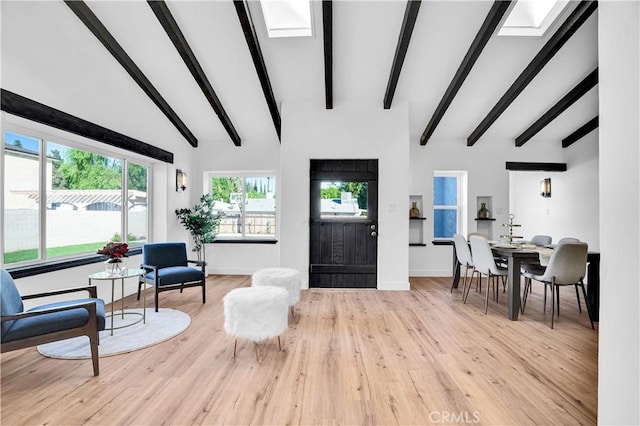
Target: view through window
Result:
[449, 195]
[78, 205]
[346, 200]
[248, 204]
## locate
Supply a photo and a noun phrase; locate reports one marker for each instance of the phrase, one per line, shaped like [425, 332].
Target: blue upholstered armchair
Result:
[50, 322]
[168, 268]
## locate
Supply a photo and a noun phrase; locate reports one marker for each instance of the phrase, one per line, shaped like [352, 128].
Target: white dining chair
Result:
[533, 267]
[465, 259]
[567, 266]
[568, 240]
[485, 264]
[541, 240]
[530, 269]
[480, 234]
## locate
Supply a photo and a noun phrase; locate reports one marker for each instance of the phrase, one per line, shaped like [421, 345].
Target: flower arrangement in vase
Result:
[116, 252]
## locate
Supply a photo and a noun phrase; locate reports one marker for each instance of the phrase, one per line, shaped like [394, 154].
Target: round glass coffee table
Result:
[126, 273]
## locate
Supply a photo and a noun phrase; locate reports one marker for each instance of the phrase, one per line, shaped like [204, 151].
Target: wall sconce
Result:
[181, 180]
[545, 188]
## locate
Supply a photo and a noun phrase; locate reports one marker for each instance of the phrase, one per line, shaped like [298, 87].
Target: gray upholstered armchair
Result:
[50, 322]
[167, 268]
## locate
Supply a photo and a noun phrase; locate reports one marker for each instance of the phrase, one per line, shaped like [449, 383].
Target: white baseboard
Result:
[404, 286]
[233, 271]
[430, 273]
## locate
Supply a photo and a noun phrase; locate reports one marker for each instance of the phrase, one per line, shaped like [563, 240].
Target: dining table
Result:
[516, 255]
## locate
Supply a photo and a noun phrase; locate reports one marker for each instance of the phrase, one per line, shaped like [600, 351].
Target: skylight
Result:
[287, 18]
[531, 17]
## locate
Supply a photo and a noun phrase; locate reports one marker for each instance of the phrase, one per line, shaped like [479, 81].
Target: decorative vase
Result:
[414, 211]
[114, 266]
[483, 213]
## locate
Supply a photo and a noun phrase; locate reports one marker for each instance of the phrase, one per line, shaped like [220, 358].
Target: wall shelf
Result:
[484, 224]
[416, 224]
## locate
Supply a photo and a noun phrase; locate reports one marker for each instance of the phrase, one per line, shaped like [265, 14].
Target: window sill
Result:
[243, 241]
[59, 265]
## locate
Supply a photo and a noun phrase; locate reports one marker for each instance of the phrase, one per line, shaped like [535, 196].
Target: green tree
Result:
[358, 190]
[330, 193]
[17, 143]
[137, 178]
[58, 180]
[85, 170]
[222, 187]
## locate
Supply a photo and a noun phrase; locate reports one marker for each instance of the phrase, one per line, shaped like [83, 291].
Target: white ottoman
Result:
[255, 313]
[286, 278]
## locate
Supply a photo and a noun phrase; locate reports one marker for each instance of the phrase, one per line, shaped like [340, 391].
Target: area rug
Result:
[159, 326]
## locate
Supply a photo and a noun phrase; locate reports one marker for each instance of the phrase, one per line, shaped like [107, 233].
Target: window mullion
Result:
[3, 177]
[124, 204]
[243, 210]
[42, 196]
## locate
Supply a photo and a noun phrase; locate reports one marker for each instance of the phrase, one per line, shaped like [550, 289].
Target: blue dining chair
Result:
[167, 268]
[50, 322]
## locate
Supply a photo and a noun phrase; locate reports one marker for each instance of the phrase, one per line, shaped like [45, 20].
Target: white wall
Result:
[619, 351]
[310, 131]
[487, 176]
[224, 156]
[51, 74]
[572, 210]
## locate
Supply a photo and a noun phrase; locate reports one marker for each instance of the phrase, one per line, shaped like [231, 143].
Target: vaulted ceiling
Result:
[227, 102]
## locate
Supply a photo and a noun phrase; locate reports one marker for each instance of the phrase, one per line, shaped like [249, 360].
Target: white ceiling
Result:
[48, 55]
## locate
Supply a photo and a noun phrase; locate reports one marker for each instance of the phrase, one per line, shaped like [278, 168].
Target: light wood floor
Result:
[354, 357]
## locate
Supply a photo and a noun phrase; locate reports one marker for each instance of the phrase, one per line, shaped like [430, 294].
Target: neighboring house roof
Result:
[14, 149]
[85, 197]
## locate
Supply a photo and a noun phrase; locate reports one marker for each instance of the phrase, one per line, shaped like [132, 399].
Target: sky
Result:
[32, 144]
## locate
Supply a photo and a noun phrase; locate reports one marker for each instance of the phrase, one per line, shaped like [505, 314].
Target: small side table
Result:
[127, 273]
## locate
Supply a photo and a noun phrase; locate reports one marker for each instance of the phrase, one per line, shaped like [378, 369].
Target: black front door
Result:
[343, 250]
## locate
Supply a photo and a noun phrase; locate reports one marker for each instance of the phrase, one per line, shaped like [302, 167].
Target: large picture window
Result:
[449, 207]
[248, 204]
[61, 201]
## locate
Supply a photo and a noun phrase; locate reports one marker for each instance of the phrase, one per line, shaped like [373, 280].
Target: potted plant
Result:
[202, 222]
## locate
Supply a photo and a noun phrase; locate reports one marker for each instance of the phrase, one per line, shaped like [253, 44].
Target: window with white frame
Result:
[61, 200]
[449, 203]
[248, 201]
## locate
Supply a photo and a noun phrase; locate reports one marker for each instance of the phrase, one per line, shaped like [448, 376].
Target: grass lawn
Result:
[32, 254]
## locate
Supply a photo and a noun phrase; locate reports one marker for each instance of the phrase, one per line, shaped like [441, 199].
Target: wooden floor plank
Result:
[349, 357]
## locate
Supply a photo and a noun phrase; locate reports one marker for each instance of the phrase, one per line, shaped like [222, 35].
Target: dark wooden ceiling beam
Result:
[535, 167]
[20, 106]
[172, 29]
[579, 15]
[409, 21]
[483, 36]
[567, 100]
[581, 132]
[94, 25]
[244, 15]
[327, 40]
